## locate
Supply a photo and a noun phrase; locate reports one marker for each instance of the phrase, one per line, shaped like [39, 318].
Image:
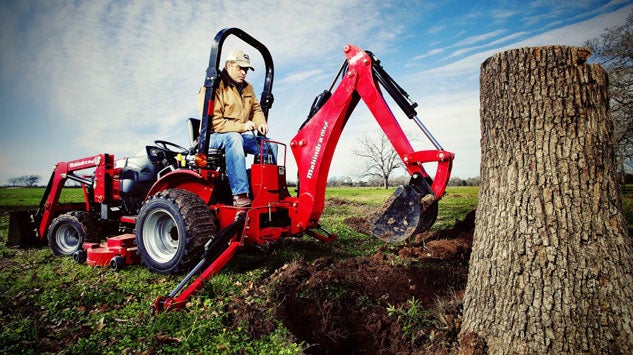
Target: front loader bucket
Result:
[410, 210]
[22, 229]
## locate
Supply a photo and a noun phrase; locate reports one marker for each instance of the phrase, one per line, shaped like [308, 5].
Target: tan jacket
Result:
[232, 110]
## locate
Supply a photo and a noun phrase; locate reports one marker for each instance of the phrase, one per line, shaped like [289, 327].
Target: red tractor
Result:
[171, 207]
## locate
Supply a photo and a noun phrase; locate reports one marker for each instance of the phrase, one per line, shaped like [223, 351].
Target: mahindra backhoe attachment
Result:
[412, 208]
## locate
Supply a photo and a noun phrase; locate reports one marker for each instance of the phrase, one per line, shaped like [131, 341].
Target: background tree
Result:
[551, 269]
[25, 180]
[31, 180]
[381, 159]
[338, 181]
[457, 181]
[614, 51]
[13, 181]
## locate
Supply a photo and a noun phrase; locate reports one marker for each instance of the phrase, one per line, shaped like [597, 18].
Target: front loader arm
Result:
[101, 182]
[314, 144]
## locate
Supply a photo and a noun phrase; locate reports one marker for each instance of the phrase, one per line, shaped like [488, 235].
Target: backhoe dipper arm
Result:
[314, 144]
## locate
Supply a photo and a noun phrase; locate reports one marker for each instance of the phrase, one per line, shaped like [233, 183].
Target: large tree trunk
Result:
[550, 271]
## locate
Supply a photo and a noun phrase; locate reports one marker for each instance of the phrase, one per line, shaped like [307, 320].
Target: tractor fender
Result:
[189, 180]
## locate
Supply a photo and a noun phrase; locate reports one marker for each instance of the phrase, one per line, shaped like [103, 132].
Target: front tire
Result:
[68, 232]
[171, 230]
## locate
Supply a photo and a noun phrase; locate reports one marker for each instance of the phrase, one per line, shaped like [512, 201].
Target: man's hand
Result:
[249, 126]
[263, 129]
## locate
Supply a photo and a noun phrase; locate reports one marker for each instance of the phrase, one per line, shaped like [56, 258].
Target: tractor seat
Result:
[215, 156]
[137, 175]
[193, 128]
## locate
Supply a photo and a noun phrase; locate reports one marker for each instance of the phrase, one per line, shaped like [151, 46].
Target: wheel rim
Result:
[67, 239]
[160, 235]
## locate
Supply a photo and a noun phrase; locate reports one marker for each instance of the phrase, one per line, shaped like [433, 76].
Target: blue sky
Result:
[79, 78]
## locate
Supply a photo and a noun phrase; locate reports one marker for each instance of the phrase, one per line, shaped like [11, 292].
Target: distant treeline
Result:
[395, 181]
[25, 180]
[33, 181]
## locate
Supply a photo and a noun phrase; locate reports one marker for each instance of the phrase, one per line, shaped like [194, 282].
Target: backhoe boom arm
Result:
[315, 143]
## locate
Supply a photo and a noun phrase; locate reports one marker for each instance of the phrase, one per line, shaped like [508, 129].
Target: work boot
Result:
[241, 200]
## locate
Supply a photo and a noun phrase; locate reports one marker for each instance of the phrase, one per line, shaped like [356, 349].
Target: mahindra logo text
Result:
[317, 150]
[84, 162]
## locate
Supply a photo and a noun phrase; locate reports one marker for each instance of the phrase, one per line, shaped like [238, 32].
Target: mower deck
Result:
[116, 252]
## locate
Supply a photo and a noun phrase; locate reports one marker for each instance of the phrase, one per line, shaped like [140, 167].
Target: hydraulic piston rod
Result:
[427, 133]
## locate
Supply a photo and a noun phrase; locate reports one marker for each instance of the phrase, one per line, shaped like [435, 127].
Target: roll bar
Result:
[212, 80]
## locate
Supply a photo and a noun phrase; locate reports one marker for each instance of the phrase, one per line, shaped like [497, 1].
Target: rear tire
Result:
[171, 230]
[68, 232]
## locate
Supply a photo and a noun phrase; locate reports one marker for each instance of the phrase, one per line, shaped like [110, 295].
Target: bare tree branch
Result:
[380, 157]
[614, 51]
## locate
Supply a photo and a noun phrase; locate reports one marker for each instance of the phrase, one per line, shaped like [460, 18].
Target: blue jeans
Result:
[236, 146]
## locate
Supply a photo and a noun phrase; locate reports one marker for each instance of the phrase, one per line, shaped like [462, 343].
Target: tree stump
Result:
[551, 266]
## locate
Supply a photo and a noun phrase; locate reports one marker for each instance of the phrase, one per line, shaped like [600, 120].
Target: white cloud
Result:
[479, 38]
[503, 13]
[298, 77]
[122, 72]
[429, 53]
[112, 77]
[453, 98]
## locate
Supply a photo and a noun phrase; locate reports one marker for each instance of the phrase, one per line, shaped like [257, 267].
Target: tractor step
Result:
[116, 252]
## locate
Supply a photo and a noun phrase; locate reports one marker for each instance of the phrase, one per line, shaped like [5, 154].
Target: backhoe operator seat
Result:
[215, 156]
[193, 128]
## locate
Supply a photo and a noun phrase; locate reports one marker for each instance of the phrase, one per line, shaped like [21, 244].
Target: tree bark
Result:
[551, 270]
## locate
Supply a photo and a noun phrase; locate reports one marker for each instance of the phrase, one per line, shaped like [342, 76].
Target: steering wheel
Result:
[165, 146]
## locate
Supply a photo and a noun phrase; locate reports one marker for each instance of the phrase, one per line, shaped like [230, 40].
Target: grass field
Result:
[52, 304]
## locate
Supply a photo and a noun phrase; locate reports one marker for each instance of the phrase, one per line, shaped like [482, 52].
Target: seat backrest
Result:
[193, 126]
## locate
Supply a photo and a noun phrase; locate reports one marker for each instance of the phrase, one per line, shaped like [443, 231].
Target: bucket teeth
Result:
[427, 201]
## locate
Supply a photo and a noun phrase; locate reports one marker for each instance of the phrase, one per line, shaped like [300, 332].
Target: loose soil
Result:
[404, 299]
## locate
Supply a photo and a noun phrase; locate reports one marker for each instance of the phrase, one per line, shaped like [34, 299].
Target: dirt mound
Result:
[404, 299]
[342, 307]
[447, 244]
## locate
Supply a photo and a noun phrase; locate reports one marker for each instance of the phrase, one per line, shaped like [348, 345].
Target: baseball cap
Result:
[242, 59]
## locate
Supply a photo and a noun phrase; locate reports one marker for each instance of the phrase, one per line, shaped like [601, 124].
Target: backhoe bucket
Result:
[22, 229]
[411, 209]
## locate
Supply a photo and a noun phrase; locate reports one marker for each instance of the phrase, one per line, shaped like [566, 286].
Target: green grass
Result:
[456, 203]
[51, 304]
[19, 198]
[57, 305]
[414, 319]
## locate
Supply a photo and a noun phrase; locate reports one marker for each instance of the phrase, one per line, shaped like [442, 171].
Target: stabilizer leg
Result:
[221, 248]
